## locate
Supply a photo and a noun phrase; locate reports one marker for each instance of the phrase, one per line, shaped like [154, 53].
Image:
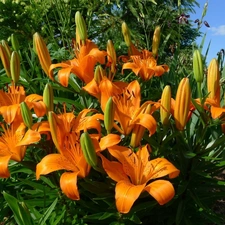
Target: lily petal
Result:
[217, 112]
[131, 66]
[51, 163]
[63, 76]
[68, 184]
[4, 171]
[30, 137]
[126, 195]
[161, 190]
[163, 167]
[92, 89]
[9, 112]
[114, 169]
[147, 121]
[109, 140]
[33, 98]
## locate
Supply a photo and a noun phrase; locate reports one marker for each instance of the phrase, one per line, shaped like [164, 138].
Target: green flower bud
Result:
[7, 48]
[5, 60]
[15, 66]
[197, 66]
[48, 97]
[88, 149]
[99, 74]
[205, 9]
[109, 114]
[26, 115]
[81, 26]
[15, 42]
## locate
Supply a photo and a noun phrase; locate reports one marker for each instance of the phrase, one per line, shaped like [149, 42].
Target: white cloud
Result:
[220, 30]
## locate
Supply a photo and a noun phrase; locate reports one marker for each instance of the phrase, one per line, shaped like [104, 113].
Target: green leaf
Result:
[153, 1]
[180, 212]
[101, 215]
[22, 215]
[59, 217]
[48, 212]
[189, 155]
[107, 215]
[69, 101]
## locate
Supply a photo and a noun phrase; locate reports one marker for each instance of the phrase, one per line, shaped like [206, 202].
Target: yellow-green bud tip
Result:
[197, 66]
[15, 66]
[15, 42]
[81, 26]
[88, 149]
[109, 114]
[26, 115]
[48, 97]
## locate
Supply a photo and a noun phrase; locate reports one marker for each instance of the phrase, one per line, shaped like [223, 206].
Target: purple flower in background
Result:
[183, 18]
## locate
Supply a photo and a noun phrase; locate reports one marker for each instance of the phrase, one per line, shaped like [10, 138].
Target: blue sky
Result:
[215, 17]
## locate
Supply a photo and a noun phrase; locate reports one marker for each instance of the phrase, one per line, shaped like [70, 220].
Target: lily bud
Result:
[78, 40]
[213, 80]
[15, 42]
[126, 34]
[7, 48]
[26, 115]
[182, 104]
[88, 149]
[165, 105]
[156, 41]
[197, 66]
[48, 97]
[5, 60]
[43, 54]
[204, 9]
[111, 56]
[53, 129]
[138, 131]
[99, 74]
[81, 26]
[15, 66]
[109, 115]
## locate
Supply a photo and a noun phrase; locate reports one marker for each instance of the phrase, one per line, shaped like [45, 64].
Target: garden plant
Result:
[111, 133]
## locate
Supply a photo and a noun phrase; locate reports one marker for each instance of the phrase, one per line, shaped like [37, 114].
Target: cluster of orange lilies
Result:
[80, 140]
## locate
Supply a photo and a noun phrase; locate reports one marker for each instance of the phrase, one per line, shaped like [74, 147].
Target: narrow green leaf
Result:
[22, 215]
[180, 212]
[48, 212]
[58, 219]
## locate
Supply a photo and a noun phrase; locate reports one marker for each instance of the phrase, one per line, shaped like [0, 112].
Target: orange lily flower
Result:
[145, 66]
[105, 89]
[10, 103]
[70, 158]
[128, 111]
[13, 143]
[83, 65]
[216, 110]
[133, 171]
[65, 130]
